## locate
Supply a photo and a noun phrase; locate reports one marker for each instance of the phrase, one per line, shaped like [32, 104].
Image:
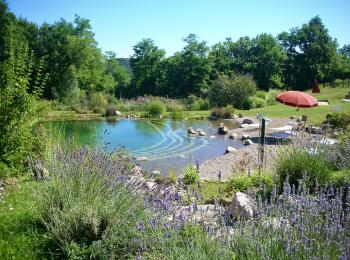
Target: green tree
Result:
[119, 73]
[267, 58]
[231, 57]
[146, 64]
[17, 106]
[189, 70]
[311, 53]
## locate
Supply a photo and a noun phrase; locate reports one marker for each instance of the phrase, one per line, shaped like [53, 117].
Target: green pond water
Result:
[154, 144]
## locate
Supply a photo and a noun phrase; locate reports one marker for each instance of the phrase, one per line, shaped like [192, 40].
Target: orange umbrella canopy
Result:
[296, 99]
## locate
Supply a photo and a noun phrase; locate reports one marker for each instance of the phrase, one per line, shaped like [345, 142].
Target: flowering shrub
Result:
[93, 208]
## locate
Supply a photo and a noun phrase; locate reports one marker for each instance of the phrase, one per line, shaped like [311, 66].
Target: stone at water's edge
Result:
[156, 173]
[248, 142]
[245, 136]
[233, 136]
[247, 121]
[230, 149]
[222, 130]
[243, 206]
[202, 133]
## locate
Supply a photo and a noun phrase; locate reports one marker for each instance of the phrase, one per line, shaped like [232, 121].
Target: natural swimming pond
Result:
[154, 144]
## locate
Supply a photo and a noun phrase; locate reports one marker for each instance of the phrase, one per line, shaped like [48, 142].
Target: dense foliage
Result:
[231, 91]
[77, 68]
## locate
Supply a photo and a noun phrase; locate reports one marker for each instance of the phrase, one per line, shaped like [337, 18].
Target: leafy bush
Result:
[194, 103]
[5, 172]
[293, 164]
[175, 106]
[247, 103]
[177, 115]
[98, 102]
[231, 91]
[261, 94]
[263, 182]
[258, 102]
[339, 119]
[18, 108]
[271, 97]
[156, 108]
[339, 179]
[191, 176]
[226, 112]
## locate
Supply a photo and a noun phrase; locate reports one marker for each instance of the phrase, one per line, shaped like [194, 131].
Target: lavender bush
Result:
[94, 208]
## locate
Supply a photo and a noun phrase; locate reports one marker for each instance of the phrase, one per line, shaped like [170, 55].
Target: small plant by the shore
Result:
[190, 176]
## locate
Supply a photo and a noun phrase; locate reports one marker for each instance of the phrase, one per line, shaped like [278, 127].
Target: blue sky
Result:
[120, 24]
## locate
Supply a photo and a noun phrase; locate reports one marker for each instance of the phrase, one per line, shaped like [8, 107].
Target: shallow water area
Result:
[154, 144]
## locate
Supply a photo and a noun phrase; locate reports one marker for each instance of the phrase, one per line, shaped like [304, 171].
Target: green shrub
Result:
[194, 103]
[191, 176]
[156, 108]
[5, 172]
[247, 103]
[338, 119]
[339, 179]
[258, 102]
[172, 176]
[231, 91]
[262, 183]
[261, 94]
[18, 107]
[177, 115]
[174, 106]
[271, 97]
[295, 163]
[98, 102]
[226, 112]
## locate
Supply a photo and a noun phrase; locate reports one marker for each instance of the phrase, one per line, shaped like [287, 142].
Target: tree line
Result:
[74, 67]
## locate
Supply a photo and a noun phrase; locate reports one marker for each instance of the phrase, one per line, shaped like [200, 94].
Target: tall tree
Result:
[146, 64]
[267, 58]
[119, 73]
[189, 70]
[231, 57]
[311, 52]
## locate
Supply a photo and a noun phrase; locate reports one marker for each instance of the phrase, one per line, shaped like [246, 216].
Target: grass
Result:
[210, 189]
[21, 234]
[315, 115]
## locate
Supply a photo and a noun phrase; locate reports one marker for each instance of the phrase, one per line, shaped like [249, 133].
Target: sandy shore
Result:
[240, 160]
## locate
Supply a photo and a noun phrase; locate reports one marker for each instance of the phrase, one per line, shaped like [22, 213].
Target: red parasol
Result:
[315, 87]
[296, 99]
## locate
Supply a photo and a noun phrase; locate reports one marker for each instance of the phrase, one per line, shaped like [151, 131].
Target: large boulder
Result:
[247, 121]
[222, 130]
[243, 206]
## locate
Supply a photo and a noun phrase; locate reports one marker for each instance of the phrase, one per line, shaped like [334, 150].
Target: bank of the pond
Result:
[72, 115]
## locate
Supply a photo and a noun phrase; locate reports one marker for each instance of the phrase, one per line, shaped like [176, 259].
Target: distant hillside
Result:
[126, 63]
